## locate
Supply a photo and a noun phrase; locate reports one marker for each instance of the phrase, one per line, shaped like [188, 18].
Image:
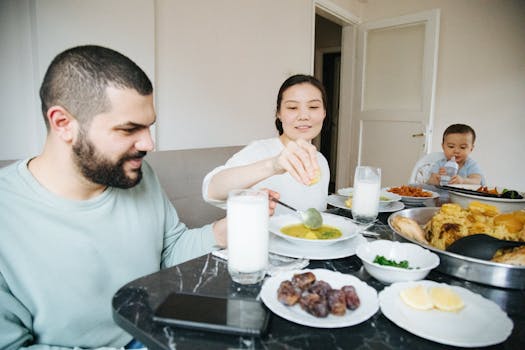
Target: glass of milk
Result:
[247, 220]
[366, 193]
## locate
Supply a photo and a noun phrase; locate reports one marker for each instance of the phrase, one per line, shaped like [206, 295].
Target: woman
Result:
[288, 164]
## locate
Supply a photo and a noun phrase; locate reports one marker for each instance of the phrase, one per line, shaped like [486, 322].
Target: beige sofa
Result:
[181, 173]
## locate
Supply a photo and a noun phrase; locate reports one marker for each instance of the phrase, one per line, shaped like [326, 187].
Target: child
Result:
[458, 141]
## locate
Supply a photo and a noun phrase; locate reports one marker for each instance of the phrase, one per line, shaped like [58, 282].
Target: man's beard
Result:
[99, 169]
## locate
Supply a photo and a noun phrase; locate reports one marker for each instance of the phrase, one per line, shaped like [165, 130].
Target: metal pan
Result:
[470, 269]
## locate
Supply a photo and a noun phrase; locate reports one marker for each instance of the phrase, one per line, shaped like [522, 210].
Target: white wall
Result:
[480, 77]
[20, 123]
[220, 65]
[33, 32]
[217, 66]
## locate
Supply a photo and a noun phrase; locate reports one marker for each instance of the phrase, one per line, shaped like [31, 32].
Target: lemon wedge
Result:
[417, 297]
[446, 299]
[348, 202]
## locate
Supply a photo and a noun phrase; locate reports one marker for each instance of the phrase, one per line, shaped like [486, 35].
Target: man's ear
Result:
[62, 123]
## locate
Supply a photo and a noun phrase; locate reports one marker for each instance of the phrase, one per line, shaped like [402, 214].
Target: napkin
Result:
[276, 263]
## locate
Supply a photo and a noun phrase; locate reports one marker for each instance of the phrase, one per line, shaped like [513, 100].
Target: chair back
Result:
[421, 171]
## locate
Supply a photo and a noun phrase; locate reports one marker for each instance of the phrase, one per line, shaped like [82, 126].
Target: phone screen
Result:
[235, 316]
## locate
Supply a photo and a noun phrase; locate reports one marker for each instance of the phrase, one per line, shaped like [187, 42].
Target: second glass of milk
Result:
[248, 236]
[366, 192]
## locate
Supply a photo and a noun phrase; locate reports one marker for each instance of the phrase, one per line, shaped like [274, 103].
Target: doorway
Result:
[327, 68]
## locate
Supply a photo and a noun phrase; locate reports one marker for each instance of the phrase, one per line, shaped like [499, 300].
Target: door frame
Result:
[349, 22]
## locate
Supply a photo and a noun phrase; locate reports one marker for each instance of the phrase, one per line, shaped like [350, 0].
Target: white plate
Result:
[339, 250]
[347, 227]
[339, 202]
[392, 197]
[367, 296]
[480, 323]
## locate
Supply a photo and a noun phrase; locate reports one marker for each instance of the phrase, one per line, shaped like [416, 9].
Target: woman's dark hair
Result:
[291, 81]
[459, 129]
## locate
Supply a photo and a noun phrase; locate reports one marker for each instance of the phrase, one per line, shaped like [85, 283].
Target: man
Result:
[87, 215]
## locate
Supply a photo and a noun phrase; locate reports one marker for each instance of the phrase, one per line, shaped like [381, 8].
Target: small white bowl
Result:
[421, 260]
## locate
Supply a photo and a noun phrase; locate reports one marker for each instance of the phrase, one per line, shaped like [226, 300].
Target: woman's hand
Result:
[299, 159]
[271, 203]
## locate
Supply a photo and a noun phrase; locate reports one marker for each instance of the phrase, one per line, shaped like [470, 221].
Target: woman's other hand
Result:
[271, 204]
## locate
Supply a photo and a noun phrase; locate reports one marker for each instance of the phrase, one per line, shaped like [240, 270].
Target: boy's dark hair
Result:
[459, 129]
[77, 80]
[291, 81]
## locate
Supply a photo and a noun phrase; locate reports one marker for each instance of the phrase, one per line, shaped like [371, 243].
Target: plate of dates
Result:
[320, 298]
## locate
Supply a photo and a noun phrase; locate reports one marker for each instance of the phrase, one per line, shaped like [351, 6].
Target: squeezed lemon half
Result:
[316, 178]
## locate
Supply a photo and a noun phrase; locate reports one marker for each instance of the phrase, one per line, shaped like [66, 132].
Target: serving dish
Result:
[420, 260]
[470, 269]
[466, 194]
[367, 295]
[347, 228]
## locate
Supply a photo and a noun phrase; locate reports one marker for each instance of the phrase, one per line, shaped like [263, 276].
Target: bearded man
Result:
[87, 215]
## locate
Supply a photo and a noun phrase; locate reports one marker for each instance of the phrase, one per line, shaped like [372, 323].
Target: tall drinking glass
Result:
[248, 236]
[367, 190]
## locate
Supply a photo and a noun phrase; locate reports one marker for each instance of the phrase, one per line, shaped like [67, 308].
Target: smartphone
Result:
[223, 315]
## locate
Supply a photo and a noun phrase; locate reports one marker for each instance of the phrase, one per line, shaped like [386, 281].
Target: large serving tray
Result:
[470, 269]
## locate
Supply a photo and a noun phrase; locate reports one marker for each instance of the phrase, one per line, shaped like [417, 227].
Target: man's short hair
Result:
[77, 80]
[459, 129]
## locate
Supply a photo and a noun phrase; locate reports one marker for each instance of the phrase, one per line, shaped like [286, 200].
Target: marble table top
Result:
[134, 304]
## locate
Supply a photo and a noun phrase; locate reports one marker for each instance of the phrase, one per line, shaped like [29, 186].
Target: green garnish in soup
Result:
[301, 231]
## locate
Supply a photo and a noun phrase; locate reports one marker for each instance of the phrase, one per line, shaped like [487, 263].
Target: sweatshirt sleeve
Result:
[180, 243]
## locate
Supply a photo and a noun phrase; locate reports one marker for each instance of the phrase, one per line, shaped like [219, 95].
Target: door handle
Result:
[418, 135]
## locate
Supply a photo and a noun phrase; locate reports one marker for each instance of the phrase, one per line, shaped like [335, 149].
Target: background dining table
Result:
[134, 304]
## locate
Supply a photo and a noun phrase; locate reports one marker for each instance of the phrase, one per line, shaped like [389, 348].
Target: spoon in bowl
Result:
[311, 217]
[480, 246]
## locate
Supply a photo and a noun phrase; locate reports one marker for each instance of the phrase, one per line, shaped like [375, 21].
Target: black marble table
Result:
[134, 303]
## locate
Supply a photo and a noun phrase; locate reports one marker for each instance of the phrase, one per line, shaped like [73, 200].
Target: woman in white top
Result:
[288, 164]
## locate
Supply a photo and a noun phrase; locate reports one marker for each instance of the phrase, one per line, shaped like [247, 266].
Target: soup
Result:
[301, 231]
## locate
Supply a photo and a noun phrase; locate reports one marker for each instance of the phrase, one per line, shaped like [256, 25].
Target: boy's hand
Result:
[456, 179]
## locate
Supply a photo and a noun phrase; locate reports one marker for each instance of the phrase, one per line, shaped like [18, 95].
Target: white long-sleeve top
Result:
[292, 192]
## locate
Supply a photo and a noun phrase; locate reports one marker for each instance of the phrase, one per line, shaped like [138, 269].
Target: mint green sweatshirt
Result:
[61, 261]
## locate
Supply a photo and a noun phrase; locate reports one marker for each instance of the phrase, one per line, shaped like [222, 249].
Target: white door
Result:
[394, 101]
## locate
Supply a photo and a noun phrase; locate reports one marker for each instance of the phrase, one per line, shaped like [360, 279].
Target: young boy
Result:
[458, 141]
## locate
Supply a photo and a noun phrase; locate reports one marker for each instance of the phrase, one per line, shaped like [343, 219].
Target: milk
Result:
[367, 189]
[248, 236]
[365, 201]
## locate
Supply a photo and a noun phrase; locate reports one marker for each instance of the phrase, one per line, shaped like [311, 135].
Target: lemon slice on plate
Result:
[417, 297]
[445, 299]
